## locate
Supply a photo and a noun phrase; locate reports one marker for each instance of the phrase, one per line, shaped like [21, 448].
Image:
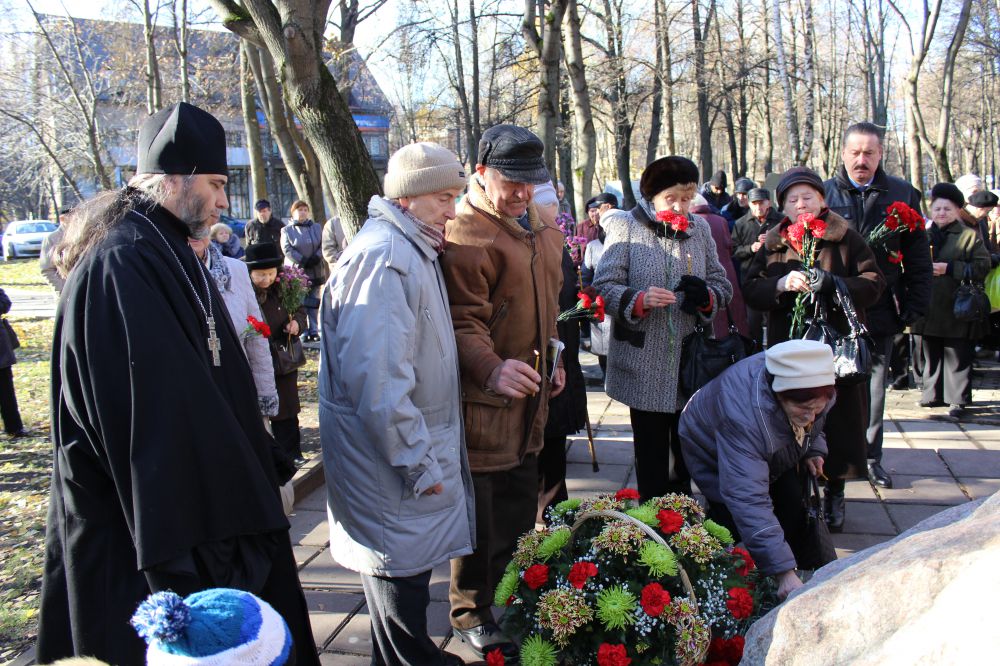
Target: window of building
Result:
[238, 191]
[234, 139]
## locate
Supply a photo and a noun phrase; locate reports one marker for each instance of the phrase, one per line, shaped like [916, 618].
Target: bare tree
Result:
[791, 115]
[700, 34]
[248, 104]
[154, 85]
[583, 119]
[546, 44]
[181, 45]
[292, 33]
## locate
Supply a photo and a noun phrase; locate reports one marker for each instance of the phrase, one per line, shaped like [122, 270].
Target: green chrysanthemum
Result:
[560, 510]
[616, 607]
[507, 587]
[658, 559]
[644, 514]
[695, 542]
[563, 611]
[718, 531]
[536, 651]
[553, 543]
[527, 548]
[619, 537]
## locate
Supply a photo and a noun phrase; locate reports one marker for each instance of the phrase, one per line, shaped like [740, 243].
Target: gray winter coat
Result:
[300, 243]
[736, 440]
[644, 354]
[390, 408]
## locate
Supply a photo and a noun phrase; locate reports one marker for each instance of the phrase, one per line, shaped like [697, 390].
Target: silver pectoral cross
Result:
[213, 342]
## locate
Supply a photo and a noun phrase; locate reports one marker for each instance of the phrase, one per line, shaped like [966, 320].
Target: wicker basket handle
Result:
[649, 531]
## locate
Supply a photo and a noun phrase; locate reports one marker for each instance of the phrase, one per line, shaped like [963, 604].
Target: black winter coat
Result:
[568, 410]
[7, 357]
[908, 285]
[276, 317]
[745, 234]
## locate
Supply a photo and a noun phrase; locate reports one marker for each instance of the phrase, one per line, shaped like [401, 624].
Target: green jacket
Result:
[961, 247]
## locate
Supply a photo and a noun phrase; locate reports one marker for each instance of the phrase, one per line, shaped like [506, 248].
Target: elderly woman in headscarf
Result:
[777, 275]
[660, 276]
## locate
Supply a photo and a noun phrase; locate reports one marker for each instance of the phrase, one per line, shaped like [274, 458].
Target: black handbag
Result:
[852, 352]
[11, 335]
[813, 546]
[704, 358]
[971, 302]
[289, 356]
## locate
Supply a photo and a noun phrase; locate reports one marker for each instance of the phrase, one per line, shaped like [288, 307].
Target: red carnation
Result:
[676, 221]
[580, 572]
[536, 575]
[723, 651]
[681, 224]
[627, 494]
[495, 658]
[740, 603]
[795, 232]
[584, 300]
[734, 650]
[670, 521]
[895, 257]
[817, 228]
[257, 327]
[748, 564]
[892, 220]
[599, 309]
[806, 220]
[654, 599]
[612, 655]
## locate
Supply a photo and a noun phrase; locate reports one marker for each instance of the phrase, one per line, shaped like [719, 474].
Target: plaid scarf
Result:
[430, 233]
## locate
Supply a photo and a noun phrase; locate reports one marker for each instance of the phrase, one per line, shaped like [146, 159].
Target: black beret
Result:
[606, 198]
[263, 255]
[182, 140]
[948, 191]
[983, 199]
[515, 152]
[799, 175]
[665, 173]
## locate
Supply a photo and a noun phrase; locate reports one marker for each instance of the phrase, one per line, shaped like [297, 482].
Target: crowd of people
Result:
[447, 388]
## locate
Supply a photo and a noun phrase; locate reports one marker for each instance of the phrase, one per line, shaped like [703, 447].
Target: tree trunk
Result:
[154, 87]
[768, 165]
[546, 44]
[258, 176]
[809, 69]
[668, 94]
[181, 45]
[476, 129]
[583, 120]
[727, 107]
[656, 112]
[459, 85]
[701, 83]
[566, 142]
[619, 99]
[791, 117]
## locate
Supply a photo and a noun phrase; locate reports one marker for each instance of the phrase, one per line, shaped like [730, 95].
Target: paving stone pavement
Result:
[935, 464]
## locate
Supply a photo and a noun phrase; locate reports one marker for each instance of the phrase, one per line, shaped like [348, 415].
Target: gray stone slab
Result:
[323, 572]
[438, 624]
[355, 637]
[979, 488]
[440, 578]
[609, 451]
[907, 515]
[973, 463]
[944, 443]
[894, 441]
[581, 480]
[309, 528]
[860, 489]
[305, 554]
[923, 490]
[341, 659]
[868, 518]
[314, 501]
[328, 610]
[930, 429]
[916, 462]
[848, 544]
[982, 432]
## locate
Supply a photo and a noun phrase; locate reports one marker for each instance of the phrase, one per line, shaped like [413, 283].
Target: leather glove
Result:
[695, 294]
[311, 261]
[820, 282]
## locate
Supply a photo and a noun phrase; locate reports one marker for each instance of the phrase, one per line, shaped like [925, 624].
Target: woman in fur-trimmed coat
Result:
[658, 282]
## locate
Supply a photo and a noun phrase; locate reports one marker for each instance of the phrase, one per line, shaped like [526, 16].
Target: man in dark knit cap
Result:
[164, 477]
[714, 191]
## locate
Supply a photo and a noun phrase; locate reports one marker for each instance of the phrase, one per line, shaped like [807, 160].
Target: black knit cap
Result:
[665, 173]
[950, 192]
[262, 204]
[983, 199]
[182, 140]
[263, 255]
[515, 152]
[799, 175]
[718, 179]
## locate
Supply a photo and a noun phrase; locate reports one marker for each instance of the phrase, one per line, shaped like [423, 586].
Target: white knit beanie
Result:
[423, 168]
[800, 364]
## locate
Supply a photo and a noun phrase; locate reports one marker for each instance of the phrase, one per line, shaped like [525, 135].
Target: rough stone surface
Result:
[925, 597]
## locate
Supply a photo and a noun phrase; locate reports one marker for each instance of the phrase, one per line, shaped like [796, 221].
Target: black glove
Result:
[695, 293]
[311, 261]
[820, 282]
[994, 260]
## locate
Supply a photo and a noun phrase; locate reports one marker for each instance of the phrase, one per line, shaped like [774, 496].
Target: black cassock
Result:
[163, 474]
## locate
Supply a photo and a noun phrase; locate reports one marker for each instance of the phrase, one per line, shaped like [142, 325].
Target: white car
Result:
[24, 238]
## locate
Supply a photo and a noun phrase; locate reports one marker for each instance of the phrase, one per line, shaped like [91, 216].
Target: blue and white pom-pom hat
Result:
[217, 626]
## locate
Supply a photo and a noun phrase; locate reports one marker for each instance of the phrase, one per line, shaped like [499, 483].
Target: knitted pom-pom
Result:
[162, 617]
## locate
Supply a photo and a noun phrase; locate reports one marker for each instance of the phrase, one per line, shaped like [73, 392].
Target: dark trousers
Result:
[947, 370]
[398, 611]
[756, 320]
[8, 402]
[786, 500]
[917, 358]
[659, 466]
[881, 354]
[506, 503]
[899, 364]
[287, 435]
[551, 475]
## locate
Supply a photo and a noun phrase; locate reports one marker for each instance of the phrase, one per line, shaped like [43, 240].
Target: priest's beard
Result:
[195, 210]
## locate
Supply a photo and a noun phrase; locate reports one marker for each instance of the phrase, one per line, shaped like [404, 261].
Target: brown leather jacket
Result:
[503, 285]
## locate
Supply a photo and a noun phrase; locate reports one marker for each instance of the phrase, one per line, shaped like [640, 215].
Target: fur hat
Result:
[423, 168]
[799, 364]
[799, 175]
[950, 192]
[216, 626]
[666, 172]
[263, 255]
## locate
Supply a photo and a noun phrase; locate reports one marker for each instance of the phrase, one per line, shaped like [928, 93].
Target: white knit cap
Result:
[545, 195]
[800, 364]
[423, 168]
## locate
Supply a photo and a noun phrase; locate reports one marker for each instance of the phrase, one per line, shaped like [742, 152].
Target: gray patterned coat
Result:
[645, 352]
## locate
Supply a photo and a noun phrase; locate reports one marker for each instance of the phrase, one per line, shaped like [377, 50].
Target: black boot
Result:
[835, 505]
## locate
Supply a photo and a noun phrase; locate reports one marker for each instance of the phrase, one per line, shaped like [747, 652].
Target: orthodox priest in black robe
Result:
[164, 476]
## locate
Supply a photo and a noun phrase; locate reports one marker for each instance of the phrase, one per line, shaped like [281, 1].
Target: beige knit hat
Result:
[423, 168]
[800, 364]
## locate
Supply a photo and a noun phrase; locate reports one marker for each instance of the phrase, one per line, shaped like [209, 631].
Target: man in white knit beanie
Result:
[399, 491]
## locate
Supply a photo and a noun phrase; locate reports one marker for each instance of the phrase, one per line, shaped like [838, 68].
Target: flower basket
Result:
[617, 582]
